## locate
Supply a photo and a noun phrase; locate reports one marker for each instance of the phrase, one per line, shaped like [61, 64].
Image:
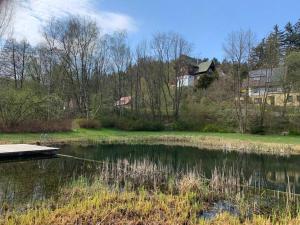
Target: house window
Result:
[257, 100]
[272, 100]
[255, 90]
[290, 99]
[273, 89]
[298, 98]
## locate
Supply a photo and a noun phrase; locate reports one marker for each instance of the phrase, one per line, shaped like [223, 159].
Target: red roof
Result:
[123, 101]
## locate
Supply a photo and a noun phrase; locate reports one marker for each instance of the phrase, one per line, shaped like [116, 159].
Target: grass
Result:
[96, 203]
[275, 144]
[143, 193]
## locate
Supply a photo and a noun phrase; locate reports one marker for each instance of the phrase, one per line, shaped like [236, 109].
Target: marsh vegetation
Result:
[120, 184]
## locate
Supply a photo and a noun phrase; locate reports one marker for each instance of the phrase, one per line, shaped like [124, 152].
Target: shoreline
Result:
[201, 141]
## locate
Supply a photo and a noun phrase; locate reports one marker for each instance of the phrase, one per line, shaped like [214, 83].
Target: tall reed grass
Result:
[143, 192]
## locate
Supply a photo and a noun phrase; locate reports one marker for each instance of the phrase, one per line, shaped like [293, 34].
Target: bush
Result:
[145, 125]
[19, 106]
[89, 123]
[183, 125]
[294, 124]
[256, 127]
[216, 128]
[130, 124]
[199, 117]
[38, 126]
[109, 121]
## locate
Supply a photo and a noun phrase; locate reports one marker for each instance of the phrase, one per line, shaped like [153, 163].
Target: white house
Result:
[186, 81]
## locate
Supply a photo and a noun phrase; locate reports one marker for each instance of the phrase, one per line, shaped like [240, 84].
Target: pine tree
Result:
[297, 35]
[292, 37]
[257, 55]
[278, 37]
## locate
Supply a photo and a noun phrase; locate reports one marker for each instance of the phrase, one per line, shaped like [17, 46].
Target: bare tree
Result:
[75, 41]
[140, 55]
[14, 58]
[180, 47]
[237, 49]
[270, 61]
[168, 51]
[120, 60]
[101, 70]
[6, 12]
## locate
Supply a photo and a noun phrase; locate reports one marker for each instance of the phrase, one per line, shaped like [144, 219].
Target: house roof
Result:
[259, 78]
[204, 67]
[273, 75]
[123, 101]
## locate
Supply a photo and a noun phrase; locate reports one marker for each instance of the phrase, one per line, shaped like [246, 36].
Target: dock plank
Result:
[24, 149]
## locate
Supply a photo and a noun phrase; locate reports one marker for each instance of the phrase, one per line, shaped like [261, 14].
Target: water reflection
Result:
[32, 180]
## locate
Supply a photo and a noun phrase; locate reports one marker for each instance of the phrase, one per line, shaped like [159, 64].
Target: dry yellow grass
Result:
[96, 204]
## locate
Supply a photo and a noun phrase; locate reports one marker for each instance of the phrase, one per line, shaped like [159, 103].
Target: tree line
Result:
[280, 49]
[77, 71]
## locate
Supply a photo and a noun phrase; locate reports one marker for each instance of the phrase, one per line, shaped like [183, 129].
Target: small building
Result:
[205, 68]
[194, 72]
[267, 83]
[123, 102]
[186, 81]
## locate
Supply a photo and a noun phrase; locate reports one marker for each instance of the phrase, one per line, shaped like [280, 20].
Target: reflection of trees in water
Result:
[252, 167]
[142, 165]
[37, 180]
[283, 176]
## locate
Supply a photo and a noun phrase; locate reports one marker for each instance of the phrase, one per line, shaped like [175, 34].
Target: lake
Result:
[28, 180]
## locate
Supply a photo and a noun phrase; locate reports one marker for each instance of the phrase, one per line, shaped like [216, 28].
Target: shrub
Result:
[216, 128]
[256, 127]
[131, 124]
[19, 106]
[145, 125]
[199, 116]
[89, 123]
[109, 121]
[138, 125]
[38, 126]
[183, 125]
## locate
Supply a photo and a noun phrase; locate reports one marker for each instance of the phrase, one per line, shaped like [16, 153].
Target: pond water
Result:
[24, 181]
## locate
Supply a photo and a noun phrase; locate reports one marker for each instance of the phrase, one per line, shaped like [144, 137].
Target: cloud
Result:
[32, 15]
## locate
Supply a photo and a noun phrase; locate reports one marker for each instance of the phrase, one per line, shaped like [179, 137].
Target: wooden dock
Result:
[25, 150]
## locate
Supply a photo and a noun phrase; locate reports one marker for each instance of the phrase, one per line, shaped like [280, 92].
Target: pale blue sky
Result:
[204, 23]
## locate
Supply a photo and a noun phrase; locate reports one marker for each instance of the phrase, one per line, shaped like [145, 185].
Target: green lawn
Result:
[110, 133]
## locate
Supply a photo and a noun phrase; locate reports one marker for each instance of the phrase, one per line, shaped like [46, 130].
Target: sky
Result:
[204, 23]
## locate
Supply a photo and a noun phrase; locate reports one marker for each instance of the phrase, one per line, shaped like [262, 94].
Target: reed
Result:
[142, 192]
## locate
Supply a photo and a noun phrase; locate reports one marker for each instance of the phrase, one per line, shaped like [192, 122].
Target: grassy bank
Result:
[143, 193]
[184, 203]
[274, 144]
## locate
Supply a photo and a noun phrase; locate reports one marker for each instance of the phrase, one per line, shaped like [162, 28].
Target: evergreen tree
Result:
[297, 35]
[257, 55]
[292, 37]
[278, 37]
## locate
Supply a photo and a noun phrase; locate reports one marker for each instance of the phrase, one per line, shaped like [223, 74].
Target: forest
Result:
[80, 73]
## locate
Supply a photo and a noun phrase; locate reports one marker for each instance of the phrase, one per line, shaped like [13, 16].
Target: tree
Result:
[6, 12]
[292, 37]
[269, 61]
[74, 41]
[237, 49]
[120, 60]
[168, 51]
[291, 78]
[101, 70]
[14, 58]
